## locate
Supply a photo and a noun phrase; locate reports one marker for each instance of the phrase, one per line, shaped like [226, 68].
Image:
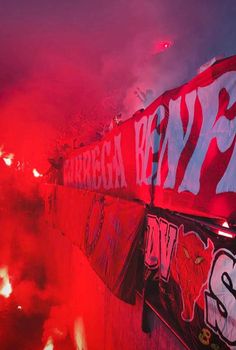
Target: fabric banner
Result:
[191, 280]
[179, 153]
[106, 229]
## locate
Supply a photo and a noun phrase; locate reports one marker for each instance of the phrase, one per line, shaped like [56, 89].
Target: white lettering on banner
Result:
[175, 139]
[87, 168]
[220, 313]
[96, 168]
[227, 182]
[100, 166]
[209, 100]
[162, 141]
[147, 144]
[160, 239]
[106, 166]
[118, 164]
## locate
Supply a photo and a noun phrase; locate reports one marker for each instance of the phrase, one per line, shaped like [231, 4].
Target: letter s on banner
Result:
[220, 313]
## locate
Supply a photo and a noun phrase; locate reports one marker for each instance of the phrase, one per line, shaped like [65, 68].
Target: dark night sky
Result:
[69, 66]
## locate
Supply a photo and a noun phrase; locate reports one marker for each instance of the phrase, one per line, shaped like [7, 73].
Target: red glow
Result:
[6, 288]
[1, 151]
[79, 334]
[8, 160]
[36, 173]
[49, 345]
[18, 164]
[162, 46]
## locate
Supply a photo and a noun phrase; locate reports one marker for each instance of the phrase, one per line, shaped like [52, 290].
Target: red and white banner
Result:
[178, 154]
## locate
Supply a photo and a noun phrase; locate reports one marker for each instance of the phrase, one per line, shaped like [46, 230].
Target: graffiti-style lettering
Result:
[173, 139]
[118, 164]
[152, 240]
[147, 144]
[106, 165]
[160, 241]
[212, 129]
[96, 168]
[87, 168]
[172, 144]
[100, 166]
[221, 297]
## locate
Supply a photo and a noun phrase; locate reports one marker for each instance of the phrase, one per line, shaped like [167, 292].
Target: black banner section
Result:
[190, 274]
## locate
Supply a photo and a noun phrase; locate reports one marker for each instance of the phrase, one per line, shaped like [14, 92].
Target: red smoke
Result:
[66, 68]
[39, 304]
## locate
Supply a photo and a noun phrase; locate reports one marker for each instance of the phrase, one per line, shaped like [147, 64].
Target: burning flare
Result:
[8, 159]
[1, 151]
[161, 46]
[49, 345]
[5, 288]
[36, 173]
[79, 334]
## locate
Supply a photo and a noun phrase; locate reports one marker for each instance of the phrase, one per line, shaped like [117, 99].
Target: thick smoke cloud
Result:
[38, 303]
[66, 68]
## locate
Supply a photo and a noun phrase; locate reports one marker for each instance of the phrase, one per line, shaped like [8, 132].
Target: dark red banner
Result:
[191, 280]
[105, 228]
[178, 154]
